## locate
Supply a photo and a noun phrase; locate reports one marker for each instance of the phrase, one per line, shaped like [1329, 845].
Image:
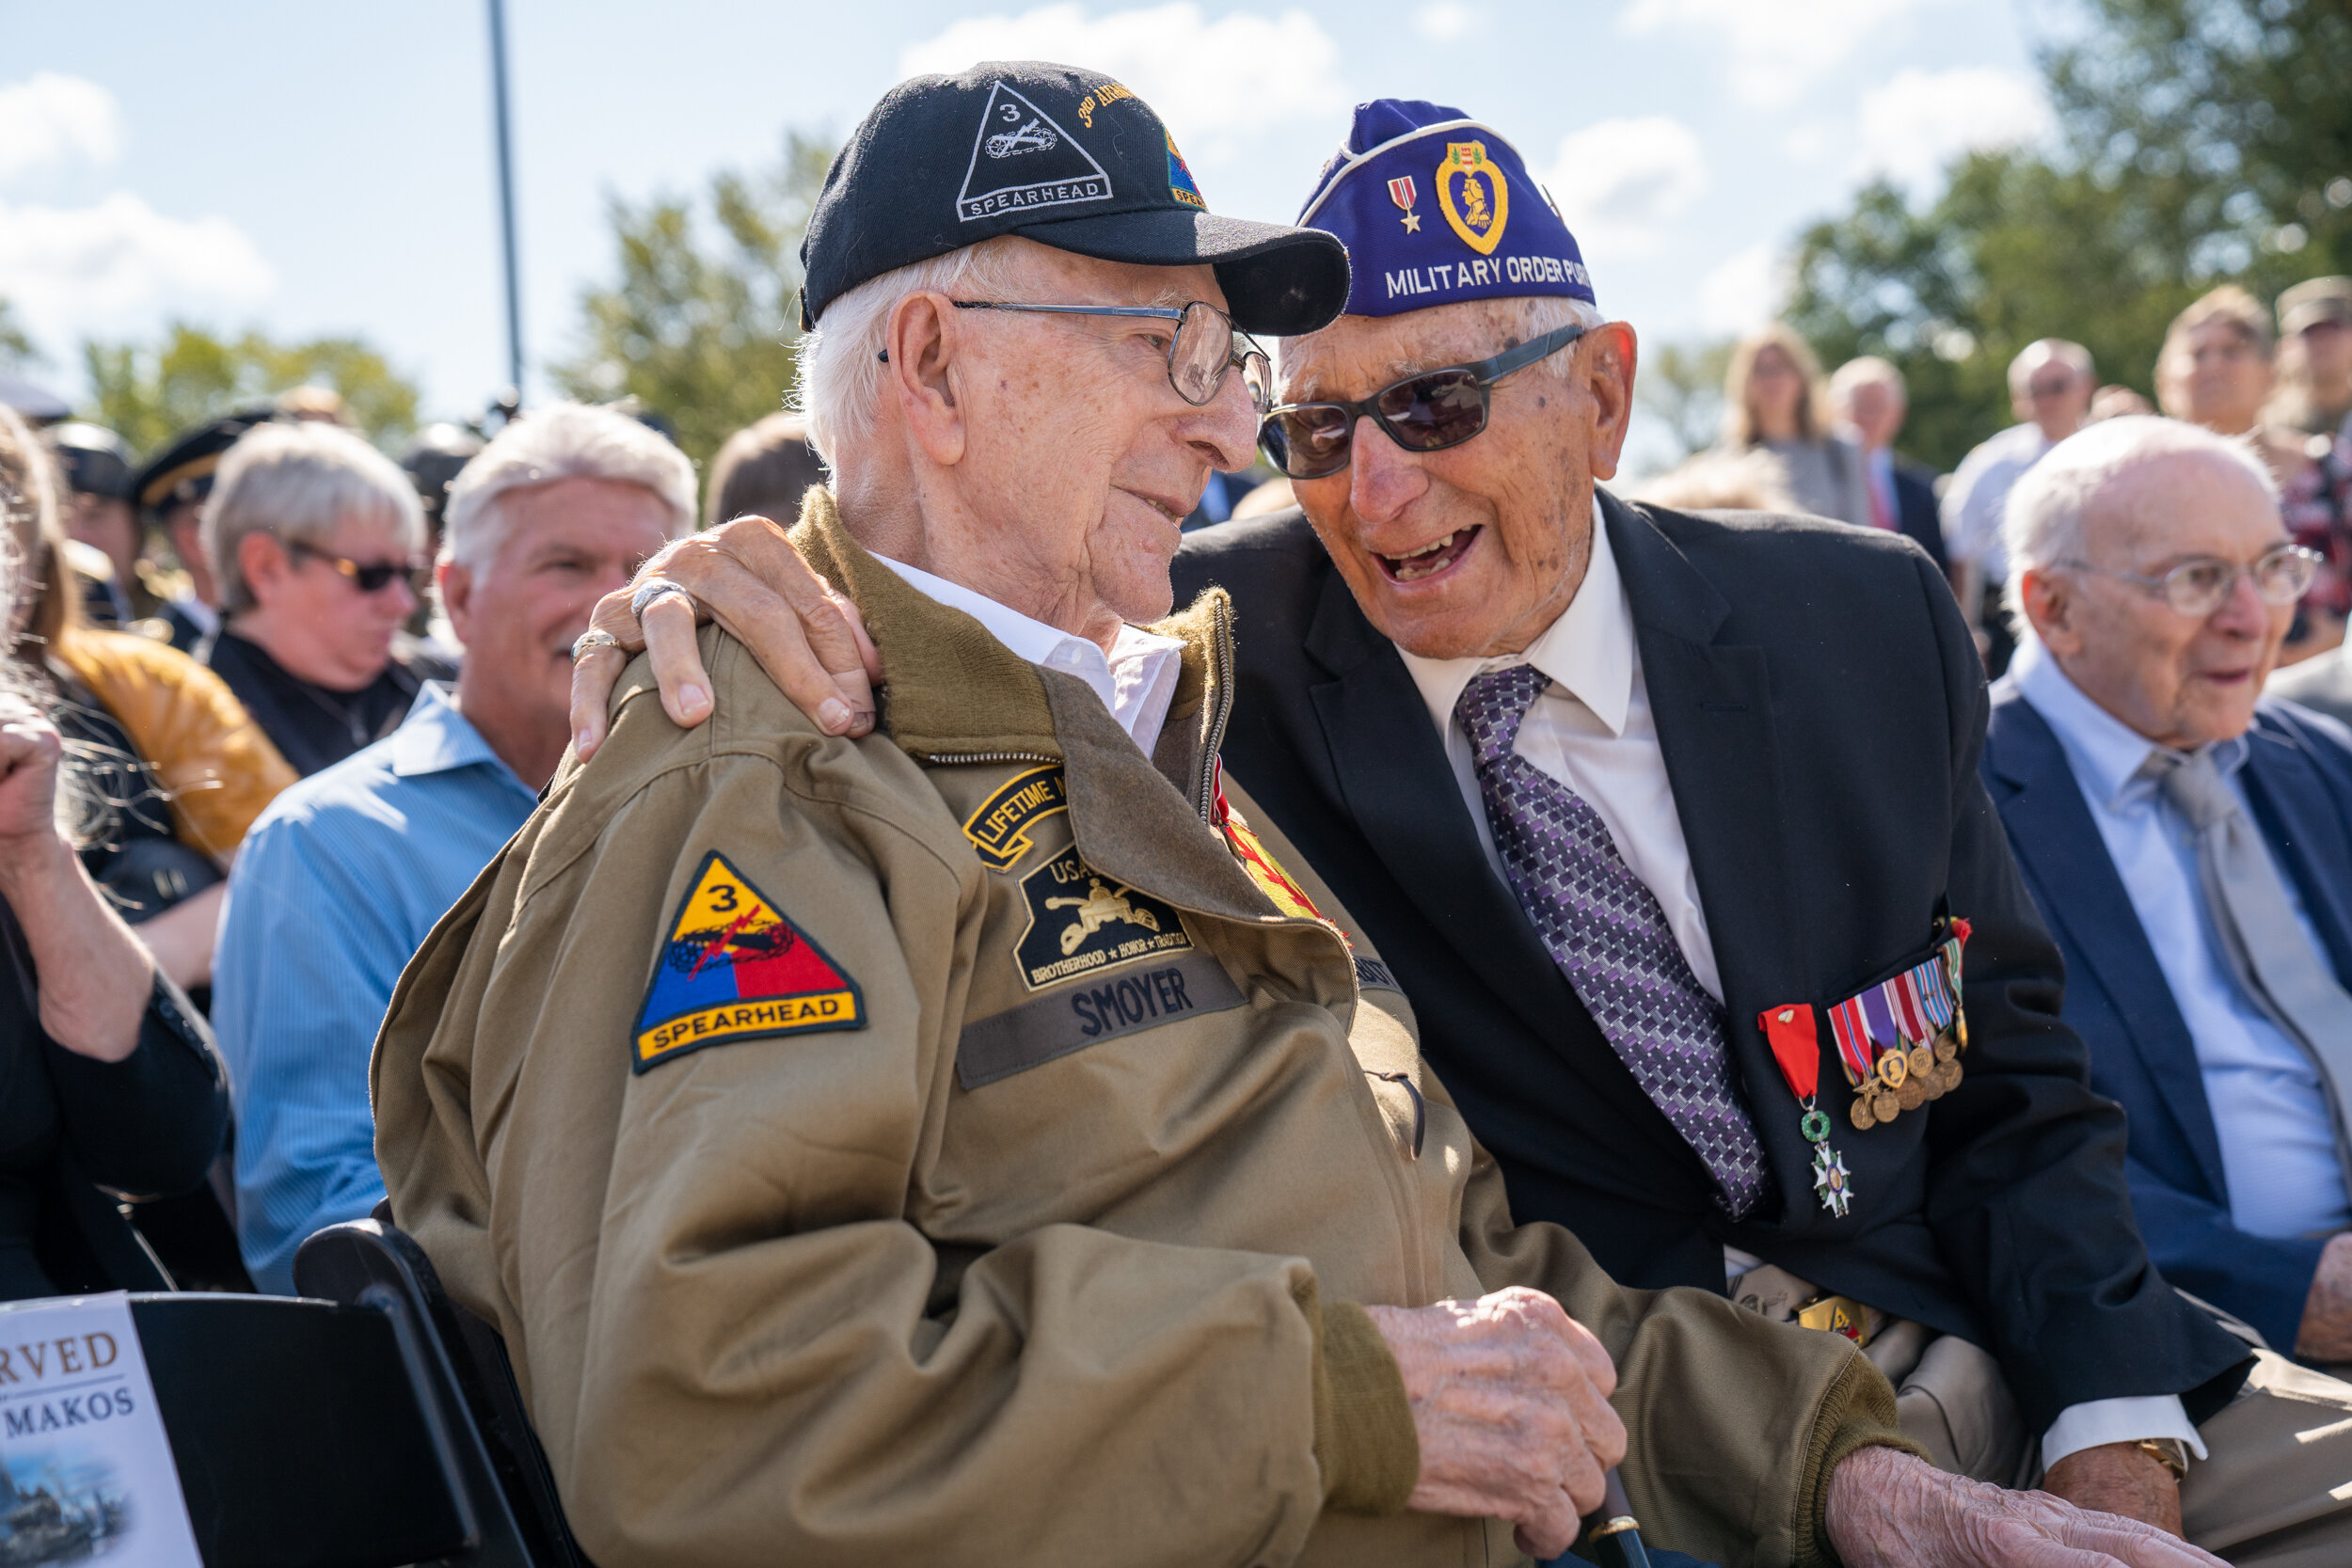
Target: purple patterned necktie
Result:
[1604, 928]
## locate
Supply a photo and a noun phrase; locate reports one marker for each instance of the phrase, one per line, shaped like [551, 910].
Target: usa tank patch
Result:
[735, 968]
[1081, 921]
[999, 828]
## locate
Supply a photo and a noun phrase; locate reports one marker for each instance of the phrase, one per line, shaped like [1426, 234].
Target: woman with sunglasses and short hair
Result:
[317, 542]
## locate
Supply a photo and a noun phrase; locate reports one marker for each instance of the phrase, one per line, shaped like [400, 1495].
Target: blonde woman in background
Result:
[1774, 401]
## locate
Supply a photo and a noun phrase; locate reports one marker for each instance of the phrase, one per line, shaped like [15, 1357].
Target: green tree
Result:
[2202, 141]
[1680, 389]
[149, 392]
[701, 326]
[17, 351]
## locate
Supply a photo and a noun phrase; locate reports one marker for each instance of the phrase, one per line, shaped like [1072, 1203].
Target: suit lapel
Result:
[1400, 791]
[2052, 832]
[1712, 706]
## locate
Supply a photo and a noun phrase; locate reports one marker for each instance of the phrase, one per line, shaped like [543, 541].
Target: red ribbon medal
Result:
[1796, 1047]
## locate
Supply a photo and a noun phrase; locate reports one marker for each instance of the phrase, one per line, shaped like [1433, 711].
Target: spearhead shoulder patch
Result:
[735, 967]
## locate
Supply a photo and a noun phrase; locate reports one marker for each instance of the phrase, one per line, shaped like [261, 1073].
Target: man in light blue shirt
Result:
[2191, 846]
[343, 877]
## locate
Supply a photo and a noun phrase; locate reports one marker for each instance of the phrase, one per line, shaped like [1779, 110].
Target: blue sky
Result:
[309, 169]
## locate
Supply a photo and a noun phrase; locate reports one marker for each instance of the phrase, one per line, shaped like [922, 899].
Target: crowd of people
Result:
[1238, 1062]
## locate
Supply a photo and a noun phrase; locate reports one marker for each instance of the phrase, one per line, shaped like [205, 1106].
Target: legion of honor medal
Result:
[1789, 1031]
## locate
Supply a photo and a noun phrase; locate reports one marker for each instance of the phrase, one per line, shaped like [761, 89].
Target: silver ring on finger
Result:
[653, 590]
[590, 641]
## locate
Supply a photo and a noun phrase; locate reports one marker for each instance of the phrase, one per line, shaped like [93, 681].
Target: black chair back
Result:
[474, 1404]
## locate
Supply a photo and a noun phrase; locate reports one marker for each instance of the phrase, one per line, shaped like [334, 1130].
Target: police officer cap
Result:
[182, 471]
[2318, 299]
[96, 461]
[1437, 208]
[1066, 157]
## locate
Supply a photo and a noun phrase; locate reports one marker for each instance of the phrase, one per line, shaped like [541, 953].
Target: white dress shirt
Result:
[1591, 729]
[1136, 680]
[2269, 1106]
[1979, 495]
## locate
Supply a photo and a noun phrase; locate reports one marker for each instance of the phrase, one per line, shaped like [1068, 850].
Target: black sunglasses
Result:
[1428, 412]
[371, 577]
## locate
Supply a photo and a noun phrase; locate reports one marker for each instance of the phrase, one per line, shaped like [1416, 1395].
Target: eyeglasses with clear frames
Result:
[1204, 346]
[2198, 588]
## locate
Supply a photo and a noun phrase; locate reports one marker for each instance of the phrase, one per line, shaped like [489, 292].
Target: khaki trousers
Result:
[2275, 1490]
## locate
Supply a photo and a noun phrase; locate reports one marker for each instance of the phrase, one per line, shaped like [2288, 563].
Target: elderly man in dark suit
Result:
[2191, 843]
[1671, 831]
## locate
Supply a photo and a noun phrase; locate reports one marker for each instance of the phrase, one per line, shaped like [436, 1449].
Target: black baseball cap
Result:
[1066, 157]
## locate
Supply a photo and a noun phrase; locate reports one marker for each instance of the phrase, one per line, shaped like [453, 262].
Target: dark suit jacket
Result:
[1922, 518]
[2299, 780]
[1821, 708]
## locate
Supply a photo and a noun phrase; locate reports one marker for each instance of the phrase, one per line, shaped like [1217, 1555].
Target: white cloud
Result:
[1620, 182]
[1444, 21]
[1219, 85]
[1778, 47]
[1744, 291]
[114, 266]
[54, 120]
[1913, 123]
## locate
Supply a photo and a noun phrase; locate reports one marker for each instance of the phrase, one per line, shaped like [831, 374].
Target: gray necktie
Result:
[2266, 944]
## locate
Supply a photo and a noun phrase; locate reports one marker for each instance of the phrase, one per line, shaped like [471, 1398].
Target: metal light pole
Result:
[506, 198]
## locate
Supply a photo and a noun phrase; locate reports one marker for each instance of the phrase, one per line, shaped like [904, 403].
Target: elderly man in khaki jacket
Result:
[974, 1143]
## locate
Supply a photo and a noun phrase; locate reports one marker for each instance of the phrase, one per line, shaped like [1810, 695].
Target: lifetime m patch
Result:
[735, 967]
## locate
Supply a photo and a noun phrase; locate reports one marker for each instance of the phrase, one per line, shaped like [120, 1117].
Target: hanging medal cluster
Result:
[1899, 1042]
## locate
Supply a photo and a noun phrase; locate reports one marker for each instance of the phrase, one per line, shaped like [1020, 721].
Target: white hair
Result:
[2044, 351]
[562, 441]
[840, 370]
[298, 483]
[1526, 316]
[1859, 372]
[2042, 524]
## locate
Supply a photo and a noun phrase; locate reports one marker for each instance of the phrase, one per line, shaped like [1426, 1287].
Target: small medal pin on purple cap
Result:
[1494, 233]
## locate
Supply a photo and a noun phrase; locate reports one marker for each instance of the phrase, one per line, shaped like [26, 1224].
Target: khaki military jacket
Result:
[955, 1146]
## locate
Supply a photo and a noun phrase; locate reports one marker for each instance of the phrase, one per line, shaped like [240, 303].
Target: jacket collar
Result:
[953, 692]
[2056, 842]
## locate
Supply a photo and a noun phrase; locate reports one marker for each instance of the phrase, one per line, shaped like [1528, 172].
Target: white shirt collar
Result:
[2105, 753]
[1587, 650]
[1137, 682]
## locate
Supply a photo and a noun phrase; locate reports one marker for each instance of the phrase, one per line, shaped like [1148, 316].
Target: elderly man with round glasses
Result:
[2191, 843]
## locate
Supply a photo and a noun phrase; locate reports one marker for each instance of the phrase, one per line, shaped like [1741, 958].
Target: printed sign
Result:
[86, 1468]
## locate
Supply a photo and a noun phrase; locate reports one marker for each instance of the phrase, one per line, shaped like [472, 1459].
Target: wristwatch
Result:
[2170, 1452]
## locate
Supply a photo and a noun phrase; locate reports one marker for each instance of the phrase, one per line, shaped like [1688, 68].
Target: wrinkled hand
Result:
[30, 749]
[1888, 1510]
[1510, 1401]
[2326, 1331]
[2118, 1477]
[747, 577]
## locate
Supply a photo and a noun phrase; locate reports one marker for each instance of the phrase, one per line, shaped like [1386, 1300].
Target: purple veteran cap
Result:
[1435, 208]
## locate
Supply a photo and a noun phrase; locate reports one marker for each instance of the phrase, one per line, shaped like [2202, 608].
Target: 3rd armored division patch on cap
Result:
[735, 967]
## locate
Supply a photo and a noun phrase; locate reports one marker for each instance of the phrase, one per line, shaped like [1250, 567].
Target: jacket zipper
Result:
[1221, 684]
[954, 759]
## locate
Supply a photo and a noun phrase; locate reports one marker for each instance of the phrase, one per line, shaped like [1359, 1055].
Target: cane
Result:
[1617, 1538]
